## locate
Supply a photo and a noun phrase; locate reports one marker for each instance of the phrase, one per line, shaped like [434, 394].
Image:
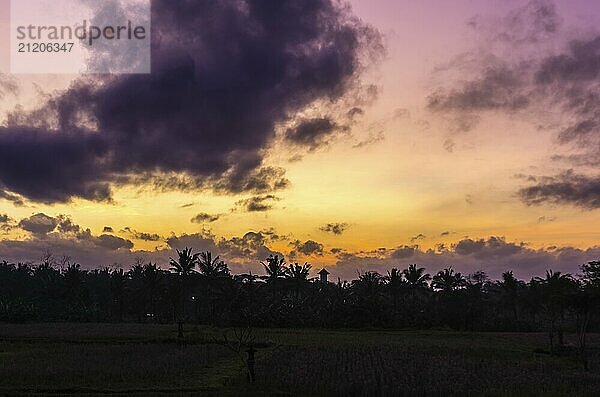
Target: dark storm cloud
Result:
[258, 203]
[224, 74]
[51, 167]
[566, 188]
[335, 228]
[203, 217]
[549, 72]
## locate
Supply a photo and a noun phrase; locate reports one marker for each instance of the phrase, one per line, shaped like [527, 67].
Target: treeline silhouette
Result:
[199, 288]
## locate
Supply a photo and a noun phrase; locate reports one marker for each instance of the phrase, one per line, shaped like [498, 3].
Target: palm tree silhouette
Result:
[396, 285]
[447, 281]
[211, 272]
[555, 288]
[275, 268]
[211, 268]
[185, 263]
[298, 272]
[298, 276]
[184, 267]
[510, 287]
[416, 277]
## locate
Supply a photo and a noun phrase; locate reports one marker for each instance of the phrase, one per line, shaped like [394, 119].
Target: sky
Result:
[362, 136]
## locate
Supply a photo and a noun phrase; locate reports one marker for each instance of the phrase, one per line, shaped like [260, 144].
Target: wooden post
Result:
[180, 337]
[250, 364]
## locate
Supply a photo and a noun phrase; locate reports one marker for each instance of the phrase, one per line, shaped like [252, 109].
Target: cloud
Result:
[579, 63]
[469, 199]
[566, 188]
[258, 203]
[418, 237]
[494, 255]
[497, 89]
[335, 228]
[313, 133]
[225, 74]
[546, 219]
[535, 69]
[144, 236]
[534, 22]
[5, 218]
[203, 217]
[39, 224]
[306, 248]
[373, 138]
[108, 229]
[8, 85]
[449, 145]
[15, 199]
[404, 252]
[272, 235]
[401, 113]
[112, 243]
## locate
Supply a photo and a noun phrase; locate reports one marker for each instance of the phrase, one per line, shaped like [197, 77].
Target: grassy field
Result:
[145, 359]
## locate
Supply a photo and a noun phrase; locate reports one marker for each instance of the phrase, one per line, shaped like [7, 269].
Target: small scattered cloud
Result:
[449, 145]
[469, 199]
[546, 219]
[307, 248]
[144, 236]
[258, 203]
[372, 139]
[203, 217]
[418, 237]
[5, 218]
[335, 228]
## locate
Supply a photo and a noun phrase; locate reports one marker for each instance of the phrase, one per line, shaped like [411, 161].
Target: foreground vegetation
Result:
[146, 360]
[200, 289]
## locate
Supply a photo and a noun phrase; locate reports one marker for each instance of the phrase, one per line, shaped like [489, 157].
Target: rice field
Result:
[146, 360]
